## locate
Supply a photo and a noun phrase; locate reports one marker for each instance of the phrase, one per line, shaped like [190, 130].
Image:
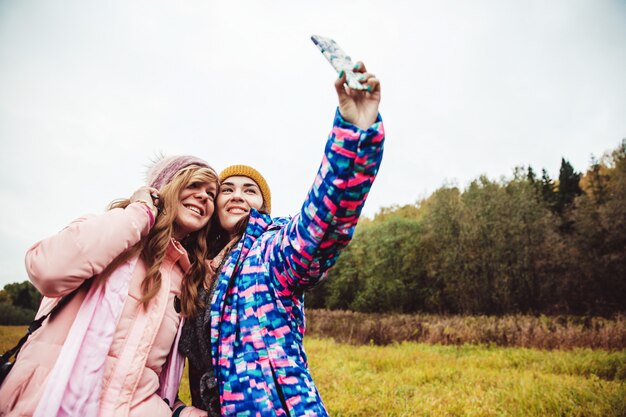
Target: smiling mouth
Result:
[236, 210]
[194, 209]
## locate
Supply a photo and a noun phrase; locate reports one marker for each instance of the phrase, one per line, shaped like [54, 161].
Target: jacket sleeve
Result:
[310, 243]
[59, 264]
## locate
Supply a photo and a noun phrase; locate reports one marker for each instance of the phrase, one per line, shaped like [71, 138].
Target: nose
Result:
[202, 195]
[236, 197]
[237, 194]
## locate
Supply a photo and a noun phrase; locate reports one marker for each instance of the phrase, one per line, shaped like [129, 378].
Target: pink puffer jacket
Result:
[61, 263]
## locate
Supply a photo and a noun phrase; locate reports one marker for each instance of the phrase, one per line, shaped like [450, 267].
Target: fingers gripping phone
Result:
[339, 60]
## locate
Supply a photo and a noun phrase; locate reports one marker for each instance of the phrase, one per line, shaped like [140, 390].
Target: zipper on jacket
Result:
[223, 306]
[279, 390]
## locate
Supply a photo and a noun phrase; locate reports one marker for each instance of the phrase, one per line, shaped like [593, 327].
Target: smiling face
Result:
[195, 208]
[237, 196]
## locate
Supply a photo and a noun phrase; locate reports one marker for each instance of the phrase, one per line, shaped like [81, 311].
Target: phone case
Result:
[338, 59]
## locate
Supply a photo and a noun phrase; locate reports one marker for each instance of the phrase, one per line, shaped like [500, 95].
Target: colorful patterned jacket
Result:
[257, 316]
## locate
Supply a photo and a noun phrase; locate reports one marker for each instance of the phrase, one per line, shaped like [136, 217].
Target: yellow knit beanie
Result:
[248, 171]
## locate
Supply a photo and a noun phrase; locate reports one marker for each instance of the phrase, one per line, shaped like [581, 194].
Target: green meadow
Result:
[415, 379]
[411, 379]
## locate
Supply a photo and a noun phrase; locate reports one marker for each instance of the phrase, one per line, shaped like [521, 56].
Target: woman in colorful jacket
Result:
[111, 350]
[253, 363]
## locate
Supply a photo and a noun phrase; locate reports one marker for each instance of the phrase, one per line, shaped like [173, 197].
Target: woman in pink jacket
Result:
[112, 350]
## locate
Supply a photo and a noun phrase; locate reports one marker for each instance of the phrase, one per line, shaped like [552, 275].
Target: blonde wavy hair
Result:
[153, 247]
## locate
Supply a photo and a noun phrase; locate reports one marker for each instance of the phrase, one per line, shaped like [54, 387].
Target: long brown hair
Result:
[153, 247]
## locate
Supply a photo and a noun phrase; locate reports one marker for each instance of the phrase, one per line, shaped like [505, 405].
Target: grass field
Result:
[430, 380]
[411, 379]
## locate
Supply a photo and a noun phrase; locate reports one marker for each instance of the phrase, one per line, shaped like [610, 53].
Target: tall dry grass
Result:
[542, 332]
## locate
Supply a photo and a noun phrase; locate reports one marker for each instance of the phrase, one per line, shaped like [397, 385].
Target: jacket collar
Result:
[258, 223]
[176, 253]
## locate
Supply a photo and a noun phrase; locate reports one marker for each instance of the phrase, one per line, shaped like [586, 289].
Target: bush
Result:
[11, 315]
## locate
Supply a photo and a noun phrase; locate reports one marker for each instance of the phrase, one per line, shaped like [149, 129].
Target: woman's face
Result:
[195, 208]
[237, 196]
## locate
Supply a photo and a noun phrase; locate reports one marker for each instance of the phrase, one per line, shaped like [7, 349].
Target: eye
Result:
[251, 190]
[211, 194]
[226, 189]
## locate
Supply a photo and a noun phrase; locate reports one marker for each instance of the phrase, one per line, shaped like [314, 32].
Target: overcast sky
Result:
[91, 91]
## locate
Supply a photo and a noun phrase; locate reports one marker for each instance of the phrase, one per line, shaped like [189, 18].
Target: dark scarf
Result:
[195, 344]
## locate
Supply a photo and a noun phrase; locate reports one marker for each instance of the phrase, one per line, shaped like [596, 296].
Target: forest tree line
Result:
[529, 244]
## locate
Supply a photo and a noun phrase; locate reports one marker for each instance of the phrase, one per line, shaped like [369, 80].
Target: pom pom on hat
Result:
[248, 171]
[164, 170]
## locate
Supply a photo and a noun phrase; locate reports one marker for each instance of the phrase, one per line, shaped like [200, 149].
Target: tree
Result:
[392, 278]
[23, 295]
[442, 252]
[599, 237]
[568, 187]
[548, 193]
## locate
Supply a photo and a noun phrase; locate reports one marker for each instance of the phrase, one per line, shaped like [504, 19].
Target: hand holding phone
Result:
[339, 60]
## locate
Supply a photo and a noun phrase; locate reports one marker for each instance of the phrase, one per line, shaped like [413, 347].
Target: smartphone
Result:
[339, 60]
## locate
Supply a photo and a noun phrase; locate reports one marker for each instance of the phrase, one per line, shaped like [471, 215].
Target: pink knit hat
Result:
[164, 170]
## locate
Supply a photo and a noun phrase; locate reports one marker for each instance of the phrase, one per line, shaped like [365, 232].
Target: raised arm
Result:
[310, 243]
[61, 263]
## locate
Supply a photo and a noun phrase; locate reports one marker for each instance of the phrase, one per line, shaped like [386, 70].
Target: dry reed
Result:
[541, 332]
